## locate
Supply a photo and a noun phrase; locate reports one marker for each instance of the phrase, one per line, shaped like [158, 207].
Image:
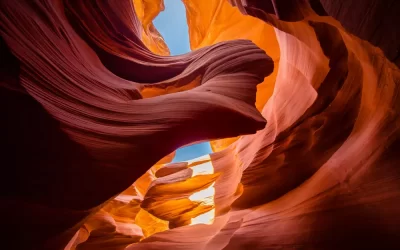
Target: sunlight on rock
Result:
[149, 223]
[293, 104]
[203, 168]
[206, 218]
[205, 196]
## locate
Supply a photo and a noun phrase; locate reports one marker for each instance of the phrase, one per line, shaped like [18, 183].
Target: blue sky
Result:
[172, 25]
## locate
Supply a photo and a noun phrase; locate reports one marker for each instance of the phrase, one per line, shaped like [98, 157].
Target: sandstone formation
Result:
[300, 99]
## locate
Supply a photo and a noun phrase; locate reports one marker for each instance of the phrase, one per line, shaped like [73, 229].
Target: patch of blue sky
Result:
[172, 25]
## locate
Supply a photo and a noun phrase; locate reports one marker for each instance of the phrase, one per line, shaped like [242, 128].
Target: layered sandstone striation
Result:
[300, 99]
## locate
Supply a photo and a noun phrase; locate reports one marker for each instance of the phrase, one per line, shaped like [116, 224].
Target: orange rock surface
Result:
[215, 21]
[94, 109]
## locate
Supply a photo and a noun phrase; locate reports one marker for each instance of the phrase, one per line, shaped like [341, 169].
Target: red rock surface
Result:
[89, 112]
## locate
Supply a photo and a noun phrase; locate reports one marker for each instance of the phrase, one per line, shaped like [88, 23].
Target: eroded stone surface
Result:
[91, 107]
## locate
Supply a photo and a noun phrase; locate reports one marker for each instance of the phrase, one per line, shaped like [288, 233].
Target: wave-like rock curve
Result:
[90, 111]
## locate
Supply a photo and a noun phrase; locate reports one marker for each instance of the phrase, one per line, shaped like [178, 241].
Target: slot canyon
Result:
[300, 101]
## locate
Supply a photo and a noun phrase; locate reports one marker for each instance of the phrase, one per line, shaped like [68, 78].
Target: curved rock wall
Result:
[91, 105]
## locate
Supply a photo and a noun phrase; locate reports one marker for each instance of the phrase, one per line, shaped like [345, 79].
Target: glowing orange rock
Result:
[74, 78]
[217, 21]
[88, 119]
[146, 11]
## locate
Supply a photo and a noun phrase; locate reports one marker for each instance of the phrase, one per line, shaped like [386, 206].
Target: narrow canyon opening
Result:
[172, 25]
[296, 104]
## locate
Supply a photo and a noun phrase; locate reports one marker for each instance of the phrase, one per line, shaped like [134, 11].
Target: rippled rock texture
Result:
[300, 99]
